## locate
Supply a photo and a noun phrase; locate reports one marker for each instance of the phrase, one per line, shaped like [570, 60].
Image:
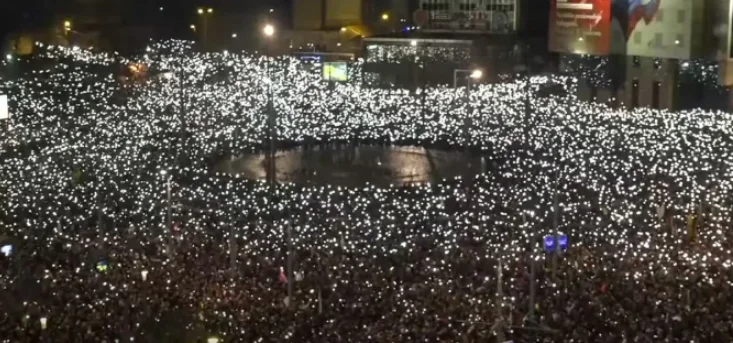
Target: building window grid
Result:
[473, 6]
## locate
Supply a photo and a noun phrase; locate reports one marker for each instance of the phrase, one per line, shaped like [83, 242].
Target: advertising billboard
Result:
[580, 26]
[336, 71]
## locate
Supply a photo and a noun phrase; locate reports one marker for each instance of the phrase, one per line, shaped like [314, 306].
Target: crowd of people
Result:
[121, 230]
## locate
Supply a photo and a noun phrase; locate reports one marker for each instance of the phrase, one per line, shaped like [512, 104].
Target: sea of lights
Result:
[81, 176]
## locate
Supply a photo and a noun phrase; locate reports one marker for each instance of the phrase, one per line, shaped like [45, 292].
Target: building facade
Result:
[643, 47]
[492, 16]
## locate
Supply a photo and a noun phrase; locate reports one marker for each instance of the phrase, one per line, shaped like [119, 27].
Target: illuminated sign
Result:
[336, 71]
[580, 26]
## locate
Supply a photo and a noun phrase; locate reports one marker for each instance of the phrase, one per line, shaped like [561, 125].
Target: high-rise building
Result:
[489, 16]
[644, 47]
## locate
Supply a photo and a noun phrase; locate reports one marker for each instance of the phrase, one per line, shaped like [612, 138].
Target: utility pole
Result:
[532, 270]
[555, 220]
[291, 279]
[499, 326]
[169, 219]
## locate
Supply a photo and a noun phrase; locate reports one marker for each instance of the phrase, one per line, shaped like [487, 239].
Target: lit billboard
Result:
[580, 26]
[336, 71]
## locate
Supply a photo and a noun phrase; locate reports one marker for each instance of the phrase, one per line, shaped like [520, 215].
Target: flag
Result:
[283, 278]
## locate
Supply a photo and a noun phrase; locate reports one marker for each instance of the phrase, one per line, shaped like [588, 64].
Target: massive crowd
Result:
[91, 149]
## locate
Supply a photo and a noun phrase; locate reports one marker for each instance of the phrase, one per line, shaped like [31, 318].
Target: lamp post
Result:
[269, 32]
[205, 13]
[67, 30]
[471, 76]
[169, 212]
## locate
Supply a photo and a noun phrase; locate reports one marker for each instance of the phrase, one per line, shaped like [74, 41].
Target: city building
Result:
[484, 16]
[643, 53]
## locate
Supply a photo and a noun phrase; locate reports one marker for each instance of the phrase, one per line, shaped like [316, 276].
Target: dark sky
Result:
[23, 14]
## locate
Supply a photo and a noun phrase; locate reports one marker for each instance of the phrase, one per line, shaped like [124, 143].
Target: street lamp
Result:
[193, 28]
[169, 213]
[205, 14]
[473, 74]
[269, 30]
[67, 27]
[476, 74]
[385, 16]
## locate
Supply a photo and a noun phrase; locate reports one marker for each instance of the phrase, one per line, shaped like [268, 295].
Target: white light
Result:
[44, 321]
[9, 57]
[269, 30]
[413, 42]
[234, 35]
[476, 74]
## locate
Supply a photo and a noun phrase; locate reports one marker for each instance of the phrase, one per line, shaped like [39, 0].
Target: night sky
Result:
[17, 15]
[174, 21]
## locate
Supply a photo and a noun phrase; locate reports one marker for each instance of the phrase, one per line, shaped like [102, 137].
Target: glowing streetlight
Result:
[201, 11]
[476, 74]
[234, 35]
[193, 27]
[212, 339]
[413, 42]
[210, 11]
[67, 24]
[385, 16]
[269, 30]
